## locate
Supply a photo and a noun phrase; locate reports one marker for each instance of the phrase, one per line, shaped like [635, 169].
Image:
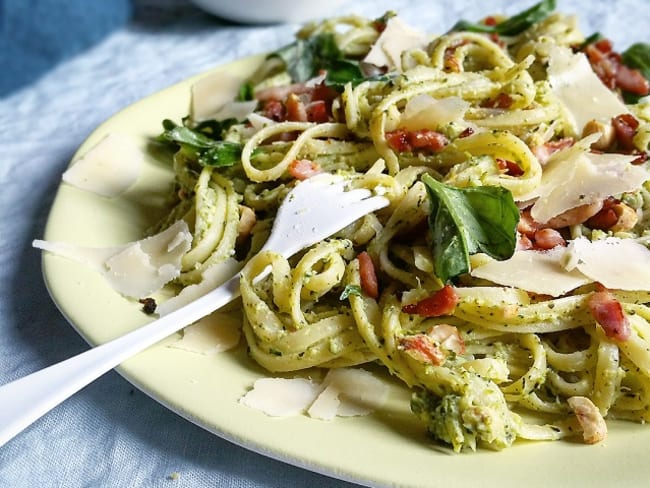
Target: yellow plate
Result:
[387, 448]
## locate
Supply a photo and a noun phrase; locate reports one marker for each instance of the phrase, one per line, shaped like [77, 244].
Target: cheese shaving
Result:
[109, 168]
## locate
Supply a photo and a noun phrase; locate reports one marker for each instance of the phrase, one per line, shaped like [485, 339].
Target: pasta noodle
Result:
[472, 111]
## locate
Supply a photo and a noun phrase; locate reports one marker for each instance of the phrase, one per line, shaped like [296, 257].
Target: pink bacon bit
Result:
[609, 67]
[402, 140]
[442, 302]
[608, 312]
[509, 168]
[625, 126]
[301, 169]
[434, 346]
[502, 101]
[368, 276]
[544, 152]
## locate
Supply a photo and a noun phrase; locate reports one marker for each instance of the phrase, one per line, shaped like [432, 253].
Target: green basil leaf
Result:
[246, 92]
[204, 142]
[305, 58]
[221, 155]
[184, 135]
[350, 290]
[465, 221]
[515, 24]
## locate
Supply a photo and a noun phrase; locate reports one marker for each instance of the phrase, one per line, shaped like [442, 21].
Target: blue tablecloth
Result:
[65, 66]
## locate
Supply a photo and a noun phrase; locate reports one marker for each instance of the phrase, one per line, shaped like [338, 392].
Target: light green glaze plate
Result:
[388, 448]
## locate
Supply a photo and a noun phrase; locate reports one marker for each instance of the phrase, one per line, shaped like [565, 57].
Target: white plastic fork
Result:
[315, 209]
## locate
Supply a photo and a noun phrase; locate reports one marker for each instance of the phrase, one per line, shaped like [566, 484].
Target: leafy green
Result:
[305, 58]
[246, 92]
[515, 24]
[464, 221]
[203, 141]
[350, 290]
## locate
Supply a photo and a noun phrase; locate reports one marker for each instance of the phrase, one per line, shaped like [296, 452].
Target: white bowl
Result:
[270, 11]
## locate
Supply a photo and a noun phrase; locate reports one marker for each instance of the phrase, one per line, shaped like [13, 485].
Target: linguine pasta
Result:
[470, 131]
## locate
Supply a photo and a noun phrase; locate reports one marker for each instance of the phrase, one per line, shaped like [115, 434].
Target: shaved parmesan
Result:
[212, 93]
[396, 38]
[109, 168]
[235, 110]
[345, 392]
[258, 122]
[348, 392]
[580, 90]
[534, 271]
[575, 177]
[620, 264]
[136, 269]
[424, 111]
[280, 397]
[212, 334]
[212, 277]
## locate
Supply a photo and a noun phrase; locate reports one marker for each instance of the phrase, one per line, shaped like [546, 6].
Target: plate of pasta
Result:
[493, 318]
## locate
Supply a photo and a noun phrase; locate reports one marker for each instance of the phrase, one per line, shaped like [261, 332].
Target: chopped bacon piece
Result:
[502, 100]
[608, 312]
[509, 167]
[625, 126]
[609, 67]
[298, 102]
[527, 225]
[642, 158]
[367, 275]
[448, 337]
[402, 140]
[604, 62]
[442, 302]
[545, 151]
[317, 111]
[379, 25]
[301, 169]
[605, 218]
[466, 133]
[434, 346]
[423, 349]
[632, 80]
[398, 140]
[280, 92]
[325, 93]
[274, 110]
[296, 110]
[604, 45]
[490, 20]
[615, 216]
[427, 139]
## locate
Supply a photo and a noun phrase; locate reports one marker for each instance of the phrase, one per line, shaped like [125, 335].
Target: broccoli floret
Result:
[477, 414]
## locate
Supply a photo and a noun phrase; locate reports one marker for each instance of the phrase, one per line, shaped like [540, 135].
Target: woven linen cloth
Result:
[66, 66]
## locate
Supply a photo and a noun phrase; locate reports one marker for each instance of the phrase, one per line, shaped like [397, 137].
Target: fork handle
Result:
[27, 399]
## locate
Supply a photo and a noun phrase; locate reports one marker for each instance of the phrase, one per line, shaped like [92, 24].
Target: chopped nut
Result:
[606, 131]
[247, 221]
[594, 428]
[627, 217]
